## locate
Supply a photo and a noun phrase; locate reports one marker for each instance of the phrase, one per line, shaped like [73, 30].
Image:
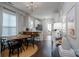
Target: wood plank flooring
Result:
[45, 49]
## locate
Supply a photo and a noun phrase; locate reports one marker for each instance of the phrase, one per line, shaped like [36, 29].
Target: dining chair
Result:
[3, 46]
[31, 40]
[25, 43]
[37, 38]
[14, 46]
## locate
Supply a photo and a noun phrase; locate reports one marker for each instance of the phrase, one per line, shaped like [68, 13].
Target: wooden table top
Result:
[20, 36]
[16, 37]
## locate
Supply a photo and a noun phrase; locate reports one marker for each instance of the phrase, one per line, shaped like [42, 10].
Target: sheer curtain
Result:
[20, 22]
[9, 23]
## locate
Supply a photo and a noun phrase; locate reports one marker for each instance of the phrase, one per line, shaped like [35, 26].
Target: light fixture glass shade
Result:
[32, 5]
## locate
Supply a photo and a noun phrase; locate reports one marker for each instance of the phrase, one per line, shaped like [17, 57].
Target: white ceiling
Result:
[45, 9]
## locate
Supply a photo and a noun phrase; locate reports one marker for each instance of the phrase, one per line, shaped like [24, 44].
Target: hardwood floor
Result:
[45, 49]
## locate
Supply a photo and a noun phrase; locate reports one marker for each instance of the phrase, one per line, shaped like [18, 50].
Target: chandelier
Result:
[32, 5]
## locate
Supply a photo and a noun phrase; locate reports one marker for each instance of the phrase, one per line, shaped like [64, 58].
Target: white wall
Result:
[45, 27]
[44, 24]
[56, 17]
[77, 23]
[0, 21]
[74, 43]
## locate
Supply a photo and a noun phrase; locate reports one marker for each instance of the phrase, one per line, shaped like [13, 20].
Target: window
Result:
[49, 27]
[31, 23]
[58, 25]
[9, 24]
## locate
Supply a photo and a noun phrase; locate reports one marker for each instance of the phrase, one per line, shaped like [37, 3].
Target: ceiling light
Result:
[32, 5]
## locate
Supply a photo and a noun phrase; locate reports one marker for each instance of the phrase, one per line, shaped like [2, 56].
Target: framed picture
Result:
[71, 27]
[39, 27]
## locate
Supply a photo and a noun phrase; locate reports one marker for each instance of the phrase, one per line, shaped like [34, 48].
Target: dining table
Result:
[20, 36]
[14, 37]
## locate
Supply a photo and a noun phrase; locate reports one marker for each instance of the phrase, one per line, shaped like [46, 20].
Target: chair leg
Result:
[23, 48]
[12, 52]
[1, 50]
[9, 52]
[33, 42]
[18, 52]
[27, 44]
